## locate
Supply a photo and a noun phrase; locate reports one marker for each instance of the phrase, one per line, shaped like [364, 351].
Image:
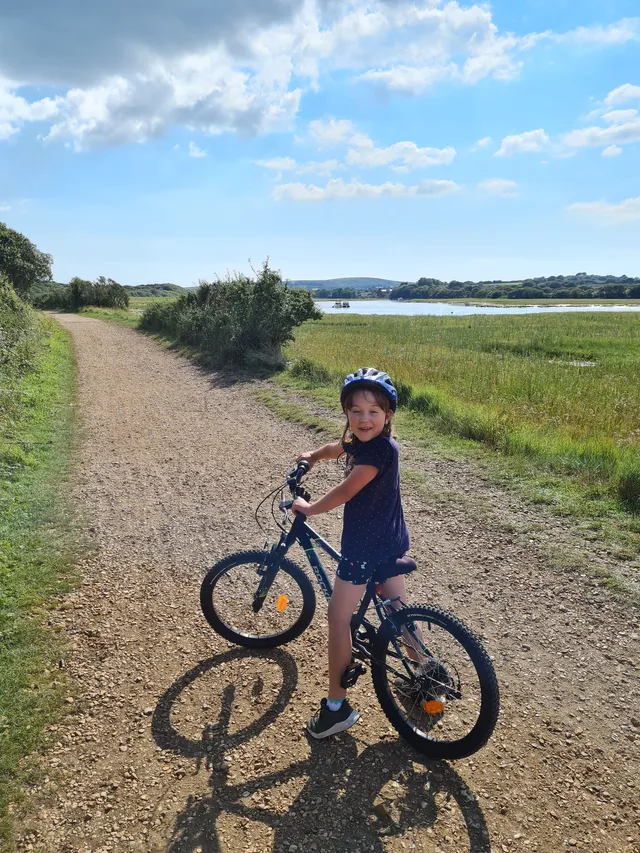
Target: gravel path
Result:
[176, 741]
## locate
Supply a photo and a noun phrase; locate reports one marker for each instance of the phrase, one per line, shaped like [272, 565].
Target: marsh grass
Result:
[561, 390]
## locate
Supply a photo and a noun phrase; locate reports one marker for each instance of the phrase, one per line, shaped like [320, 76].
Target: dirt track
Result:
[178, 742]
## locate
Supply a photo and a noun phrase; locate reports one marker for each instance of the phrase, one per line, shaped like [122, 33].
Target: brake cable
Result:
[264, 500]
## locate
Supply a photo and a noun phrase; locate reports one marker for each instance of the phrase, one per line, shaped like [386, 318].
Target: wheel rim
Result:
[233, 594]
[439, 698]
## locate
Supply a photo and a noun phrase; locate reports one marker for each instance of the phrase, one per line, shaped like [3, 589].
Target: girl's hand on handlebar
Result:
[308, 457]
[300, 505]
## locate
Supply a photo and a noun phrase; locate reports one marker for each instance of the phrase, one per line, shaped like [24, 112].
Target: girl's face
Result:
[366, 417]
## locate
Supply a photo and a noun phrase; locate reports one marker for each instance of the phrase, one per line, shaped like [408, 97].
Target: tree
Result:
[612, 291]
[21, 261]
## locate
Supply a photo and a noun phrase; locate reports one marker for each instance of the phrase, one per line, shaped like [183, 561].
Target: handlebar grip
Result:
[303, 467]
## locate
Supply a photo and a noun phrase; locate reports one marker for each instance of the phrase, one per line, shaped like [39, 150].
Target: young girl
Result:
[374, 534]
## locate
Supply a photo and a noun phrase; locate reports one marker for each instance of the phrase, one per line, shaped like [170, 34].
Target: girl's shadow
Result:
[349, 802]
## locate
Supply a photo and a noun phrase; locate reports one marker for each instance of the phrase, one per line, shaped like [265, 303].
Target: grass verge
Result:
[36, 544]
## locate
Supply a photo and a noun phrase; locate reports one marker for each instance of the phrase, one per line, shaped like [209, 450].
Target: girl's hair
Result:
[381, 399]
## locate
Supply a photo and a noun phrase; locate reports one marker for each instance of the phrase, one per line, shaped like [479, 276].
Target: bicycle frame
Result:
[301, 532]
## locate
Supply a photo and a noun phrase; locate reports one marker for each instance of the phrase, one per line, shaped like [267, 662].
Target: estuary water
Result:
[390, 306]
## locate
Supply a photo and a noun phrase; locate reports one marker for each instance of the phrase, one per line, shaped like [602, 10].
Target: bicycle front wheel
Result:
[229, 601]
[435, 682]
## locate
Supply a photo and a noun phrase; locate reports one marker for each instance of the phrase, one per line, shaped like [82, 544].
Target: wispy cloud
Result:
[194, 151]
[623, 94]
[523, 143]
[337, 189]
[499, 186]
[611, 151]
[609, 214]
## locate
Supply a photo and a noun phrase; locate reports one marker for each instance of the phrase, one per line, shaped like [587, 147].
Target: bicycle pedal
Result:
[351, 674]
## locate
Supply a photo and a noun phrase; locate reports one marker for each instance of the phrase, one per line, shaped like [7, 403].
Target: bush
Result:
[18, 348]
[16, 333]
[315, 374]
[79, 293]
[239, 321]
[628, 487]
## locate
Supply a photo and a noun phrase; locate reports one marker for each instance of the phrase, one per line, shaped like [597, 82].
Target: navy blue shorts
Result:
[362, 571]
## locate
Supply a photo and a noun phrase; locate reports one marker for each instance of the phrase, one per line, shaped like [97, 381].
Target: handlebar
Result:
[294, 478]
[296, 474]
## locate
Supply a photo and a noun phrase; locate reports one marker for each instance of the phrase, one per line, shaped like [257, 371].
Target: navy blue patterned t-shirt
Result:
[374, 528]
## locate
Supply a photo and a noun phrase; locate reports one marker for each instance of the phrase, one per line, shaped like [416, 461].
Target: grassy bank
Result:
[36, 445]
[559, 391]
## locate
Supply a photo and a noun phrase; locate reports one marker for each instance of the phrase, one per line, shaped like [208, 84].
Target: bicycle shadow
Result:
[348, 801]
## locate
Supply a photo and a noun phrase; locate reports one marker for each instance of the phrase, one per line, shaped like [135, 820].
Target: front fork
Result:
[271, 565]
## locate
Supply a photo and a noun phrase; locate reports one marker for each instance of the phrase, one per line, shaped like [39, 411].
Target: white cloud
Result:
[319, 167]
[589, 137]
[332, 132]
[203, 92]
[236, 66]
[609, 214]
[522, 143]
[499, 186]
[194, 151]
[313, 167]
[364, 153]
[278, 164]
[337, 188]
[482, 143]
[409, 80]
[622, 94]
[16, 110]
[4, 208]
[619, 116]
[367, 155]
[620, 32]
[611, 151]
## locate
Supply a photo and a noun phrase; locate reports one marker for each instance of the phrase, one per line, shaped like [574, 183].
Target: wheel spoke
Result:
[233, 600]
[445, 692]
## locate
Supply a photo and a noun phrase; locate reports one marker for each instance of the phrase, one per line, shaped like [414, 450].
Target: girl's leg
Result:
[343, 602]
[395, 588]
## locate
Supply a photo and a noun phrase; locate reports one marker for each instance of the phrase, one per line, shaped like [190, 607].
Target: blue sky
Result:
[174, 141]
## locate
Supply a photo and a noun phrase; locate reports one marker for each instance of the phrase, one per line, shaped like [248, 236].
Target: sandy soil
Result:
[177, 741]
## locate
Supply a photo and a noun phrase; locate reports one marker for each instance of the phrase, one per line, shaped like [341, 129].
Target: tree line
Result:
[579, 286]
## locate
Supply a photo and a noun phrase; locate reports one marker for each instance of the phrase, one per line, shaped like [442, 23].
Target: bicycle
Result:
[440, 694]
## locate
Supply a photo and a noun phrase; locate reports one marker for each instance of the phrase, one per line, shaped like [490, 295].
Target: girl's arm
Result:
[340, 494]
[327, 451]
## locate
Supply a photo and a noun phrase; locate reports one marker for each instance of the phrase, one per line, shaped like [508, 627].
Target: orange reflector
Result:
[433, 706]
[282, 602]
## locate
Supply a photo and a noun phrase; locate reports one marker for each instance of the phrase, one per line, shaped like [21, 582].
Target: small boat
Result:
[346, 305]
[337, 304]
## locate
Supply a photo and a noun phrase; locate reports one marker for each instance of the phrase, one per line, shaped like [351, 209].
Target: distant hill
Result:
[164, 289]
[339, 283]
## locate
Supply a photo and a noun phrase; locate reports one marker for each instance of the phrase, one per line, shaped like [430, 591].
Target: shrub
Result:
[628, 487]
[79, 293]
[239, 321]
[314, 373]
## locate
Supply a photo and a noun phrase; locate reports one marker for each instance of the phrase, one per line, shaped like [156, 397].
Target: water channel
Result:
[405, 309]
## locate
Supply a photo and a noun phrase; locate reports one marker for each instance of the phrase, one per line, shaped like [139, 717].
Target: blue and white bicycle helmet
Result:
[369, 377]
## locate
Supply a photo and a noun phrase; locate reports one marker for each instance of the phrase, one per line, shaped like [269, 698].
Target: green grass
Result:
[35, 547]
[517, 384]
[125, 317]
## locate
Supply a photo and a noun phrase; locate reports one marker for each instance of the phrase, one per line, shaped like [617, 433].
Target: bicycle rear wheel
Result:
[435, 682]
[230, 604]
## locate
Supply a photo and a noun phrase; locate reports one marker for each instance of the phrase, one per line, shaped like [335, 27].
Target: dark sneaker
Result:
[326, 722]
